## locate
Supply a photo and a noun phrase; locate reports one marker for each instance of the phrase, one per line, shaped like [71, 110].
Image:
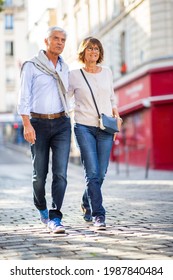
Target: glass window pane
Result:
[9, 48]
[10, 74]
[8, 2]
[8, 21]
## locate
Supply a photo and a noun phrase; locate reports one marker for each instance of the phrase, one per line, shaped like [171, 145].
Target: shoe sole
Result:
[59, 231]
[100, 228]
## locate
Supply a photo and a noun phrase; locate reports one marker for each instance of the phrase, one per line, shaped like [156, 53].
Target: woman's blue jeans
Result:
[95, 147]
[54, 135]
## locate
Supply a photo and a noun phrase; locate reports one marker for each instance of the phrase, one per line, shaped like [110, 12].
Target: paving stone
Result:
[139, 219]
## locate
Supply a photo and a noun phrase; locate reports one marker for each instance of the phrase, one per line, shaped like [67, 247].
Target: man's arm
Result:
[28, 132]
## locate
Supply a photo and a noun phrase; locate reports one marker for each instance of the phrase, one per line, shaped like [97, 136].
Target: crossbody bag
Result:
[108, 124]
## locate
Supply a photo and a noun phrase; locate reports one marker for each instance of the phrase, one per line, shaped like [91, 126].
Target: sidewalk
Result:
[139, 219]
[123, 172]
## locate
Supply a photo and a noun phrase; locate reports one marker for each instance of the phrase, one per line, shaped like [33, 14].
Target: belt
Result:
[47, 116]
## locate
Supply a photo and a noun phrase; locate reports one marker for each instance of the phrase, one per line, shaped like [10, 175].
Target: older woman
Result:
[95, 144]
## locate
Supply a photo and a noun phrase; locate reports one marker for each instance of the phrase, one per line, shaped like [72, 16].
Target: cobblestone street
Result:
[139, 218]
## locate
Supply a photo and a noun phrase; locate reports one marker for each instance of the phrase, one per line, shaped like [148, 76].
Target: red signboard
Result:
[134, 91]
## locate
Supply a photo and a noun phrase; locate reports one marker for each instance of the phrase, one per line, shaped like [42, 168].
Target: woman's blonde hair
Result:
[87, 42]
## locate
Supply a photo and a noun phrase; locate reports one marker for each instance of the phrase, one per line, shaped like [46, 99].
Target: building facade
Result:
[13, 45]
[21, 37]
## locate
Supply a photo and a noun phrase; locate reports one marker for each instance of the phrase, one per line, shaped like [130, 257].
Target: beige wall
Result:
[10, 65]
[147, 24]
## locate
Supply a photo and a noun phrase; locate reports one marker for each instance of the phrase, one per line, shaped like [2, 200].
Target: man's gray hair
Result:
[55, 28]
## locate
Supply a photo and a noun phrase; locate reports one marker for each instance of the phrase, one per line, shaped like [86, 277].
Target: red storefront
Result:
[146, 105]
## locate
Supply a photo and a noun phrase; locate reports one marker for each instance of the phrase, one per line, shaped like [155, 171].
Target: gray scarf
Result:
[41, 62]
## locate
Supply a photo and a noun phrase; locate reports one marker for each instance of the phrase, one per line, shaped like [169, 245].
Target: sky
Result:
[37, 7]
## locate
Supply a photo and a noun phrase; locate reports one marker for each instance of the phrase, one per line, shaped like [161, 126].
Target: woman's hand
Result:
[115, 135]
[115, 112]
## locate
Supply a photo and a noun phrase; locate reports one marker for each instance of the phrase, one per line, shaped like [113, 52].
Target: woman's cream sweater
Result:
[102, 87]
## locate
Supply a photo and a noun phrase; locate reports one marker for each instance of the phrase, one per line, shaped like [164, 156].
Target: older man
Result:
[43, 106]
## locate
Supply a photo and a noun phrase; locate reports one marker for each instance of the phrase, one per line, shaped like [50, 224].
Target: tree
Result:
[1, 5]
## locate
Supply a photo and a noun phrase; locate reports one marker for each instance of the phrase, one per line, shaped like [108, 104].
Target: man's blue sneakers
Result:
[55, 226]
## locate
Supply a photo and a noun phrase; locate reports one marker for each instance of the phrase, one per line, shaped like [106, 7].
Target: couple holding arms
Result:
[46, 86]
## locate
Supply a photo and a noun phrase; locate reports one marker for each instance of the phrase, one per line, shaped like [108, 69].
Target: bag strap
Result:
[91, 92]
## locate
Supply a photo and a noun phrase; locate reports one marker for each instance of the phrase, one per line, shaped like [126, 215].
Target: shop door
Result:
[162, 124]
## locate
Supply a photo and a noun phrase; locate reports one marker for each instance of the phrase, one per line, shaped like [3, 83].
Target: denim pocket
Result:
[65, 119]
[34, 122]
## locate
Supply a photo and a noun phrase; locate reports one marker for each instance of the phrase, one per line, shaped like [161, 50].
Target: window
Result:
[9, 49]
[10, 75]
[9, 21]
[8, 2]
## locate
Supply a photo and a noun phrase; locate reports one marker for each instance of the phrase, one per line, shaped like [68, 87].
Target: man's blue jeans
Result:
[95, 147]
[54, 135]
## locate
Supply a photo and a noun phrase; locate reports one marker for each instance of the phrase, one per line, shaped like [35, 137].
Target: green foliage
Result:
[1, 5]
